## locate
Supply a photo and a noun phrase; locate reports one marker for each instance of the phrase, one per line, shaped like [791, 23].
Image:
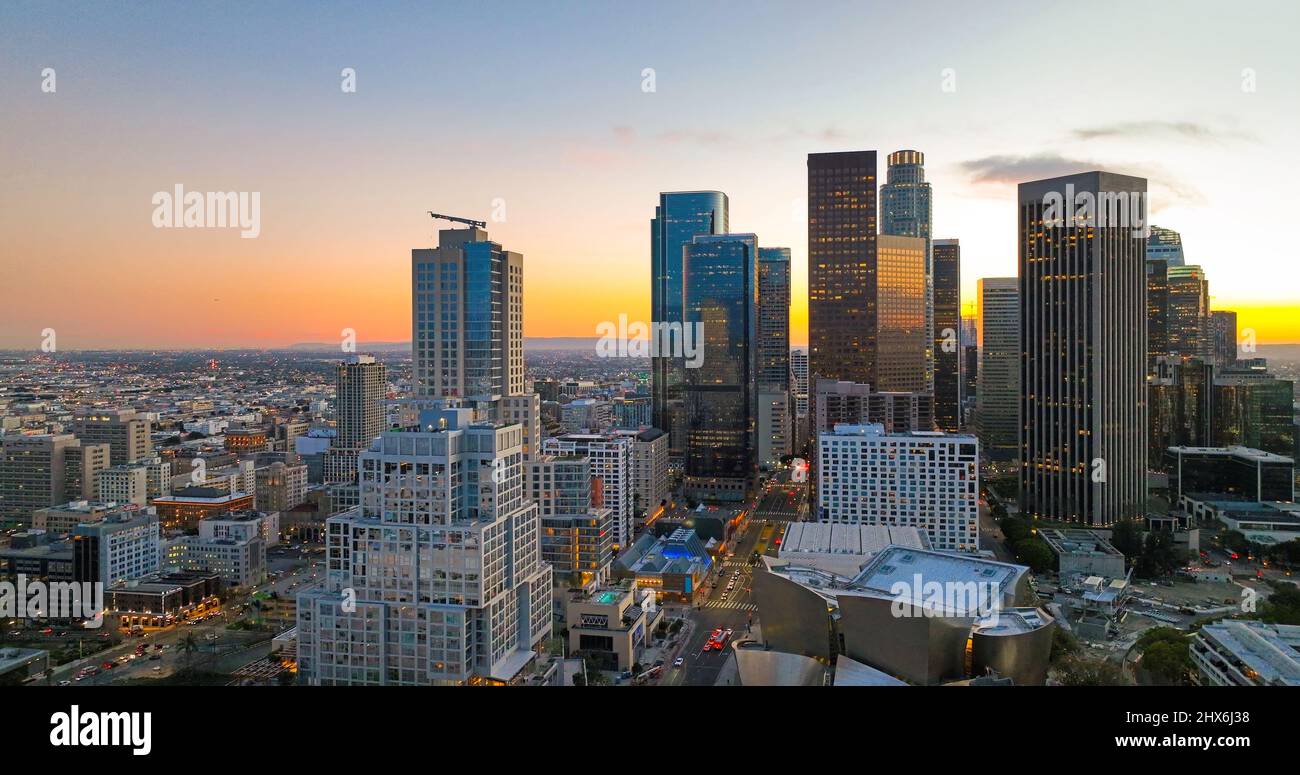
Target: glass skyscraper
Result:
[679, 217]
[1166, 245]
[946, 297]
[720, 291]
[775, 410]
[1188, 312]
[907, 210]
[842, 266]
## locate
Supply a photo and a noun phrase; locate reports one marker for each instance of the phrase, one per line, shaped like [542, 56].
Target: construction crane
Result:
[454, 219]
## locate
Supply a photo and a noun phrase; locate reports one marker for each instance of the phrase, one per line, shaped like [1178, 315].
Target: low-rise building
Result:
[185, 508]
[1083, 552]
[674, 566]
[162, 600]
[1247, 653]
[612, 624]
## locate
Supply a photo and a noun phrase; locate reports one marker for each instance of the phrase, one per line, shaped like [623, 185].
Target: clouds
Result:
[1010, 170]
[1004, 169]
[1160, 130]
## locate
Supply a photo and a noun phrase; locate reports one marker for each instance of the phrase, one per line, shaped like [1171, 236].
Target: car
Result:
[154, 657]
[65, 683]
[678, 662]
[157, 668]
[108, 665]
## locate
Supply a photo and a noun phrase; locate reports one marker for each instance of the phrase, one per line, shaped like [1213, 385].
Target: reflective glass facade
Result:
[680, 216]
[720, 289]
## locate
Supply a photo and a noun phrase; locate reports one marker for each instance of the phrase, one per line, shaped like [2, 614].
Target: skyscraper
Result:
[360, 384]
[467, 318]
[679, 217]
[773, 353]
[1188, 313]
[437, 576]
[1223, 337]
[906, 210]
[1165, 245]
[799, 388]
[998, 382]
[901, 337]
[1157, 311]
[1083, 410]
[946, 295]
[842, 265]
[720, 291]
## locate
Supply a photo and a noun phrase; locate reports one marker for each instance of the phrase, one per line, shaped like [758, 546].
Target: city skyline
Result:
[344, 196]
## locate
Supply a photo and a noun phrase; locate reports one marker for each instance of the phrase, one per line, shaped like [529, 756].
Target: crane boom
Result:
[455, 219]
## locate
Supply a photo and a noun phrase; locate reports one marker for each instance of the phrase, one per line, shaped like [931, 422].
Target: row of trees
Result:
[1151, 554]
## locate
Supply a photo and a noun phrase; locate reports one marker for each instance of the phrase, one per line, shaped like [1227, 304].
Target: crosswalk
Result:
[731, 605]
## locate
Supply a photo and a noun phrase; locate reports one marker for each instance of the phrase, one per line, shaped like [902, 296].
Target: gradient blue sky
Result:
[541, 105]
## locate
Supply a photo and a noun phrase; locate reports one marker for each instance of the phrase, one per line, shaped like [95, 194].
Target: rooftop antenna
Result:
[456, 219]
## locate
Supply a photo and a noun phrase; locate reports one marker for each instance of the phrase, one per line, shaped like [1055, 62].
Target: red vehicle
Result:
[715, 640]
[109, 665]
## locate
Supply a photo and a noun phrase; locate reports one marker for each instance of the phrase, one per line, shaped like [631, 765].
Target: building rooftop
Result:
[1271, 651]
[1244, 453]
[1078, 542]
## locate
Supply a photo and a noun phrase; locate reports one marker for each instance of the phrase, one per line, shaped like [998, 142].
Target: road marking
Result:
[728, 604]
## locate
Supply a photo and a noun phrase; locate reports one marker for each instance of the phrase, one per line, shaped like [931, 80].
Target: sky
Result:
[536, 118]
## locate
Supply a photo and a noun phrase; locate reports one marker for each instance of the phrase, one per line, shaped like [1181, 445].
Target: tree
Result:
[189, 646]
[1159, 555]
[1288, 553]
[1127, 538]
[1282, 606]
[1063, 645]
[1236, 541]
[1015, 529]
[1035, 553]
[1079, 670]
[1168, 661]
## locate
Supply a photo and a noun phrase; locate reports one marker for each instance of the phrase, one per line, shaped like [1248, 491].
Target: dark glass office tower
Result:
[1256, 413]
[1083, 397]
[906, 210]
[680, 216]
[775, 410]
[1223, 337]
[773, 344]
[1180, 409]
[842, 266]
[1157, 310]
[947, 334]
[720, 290]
